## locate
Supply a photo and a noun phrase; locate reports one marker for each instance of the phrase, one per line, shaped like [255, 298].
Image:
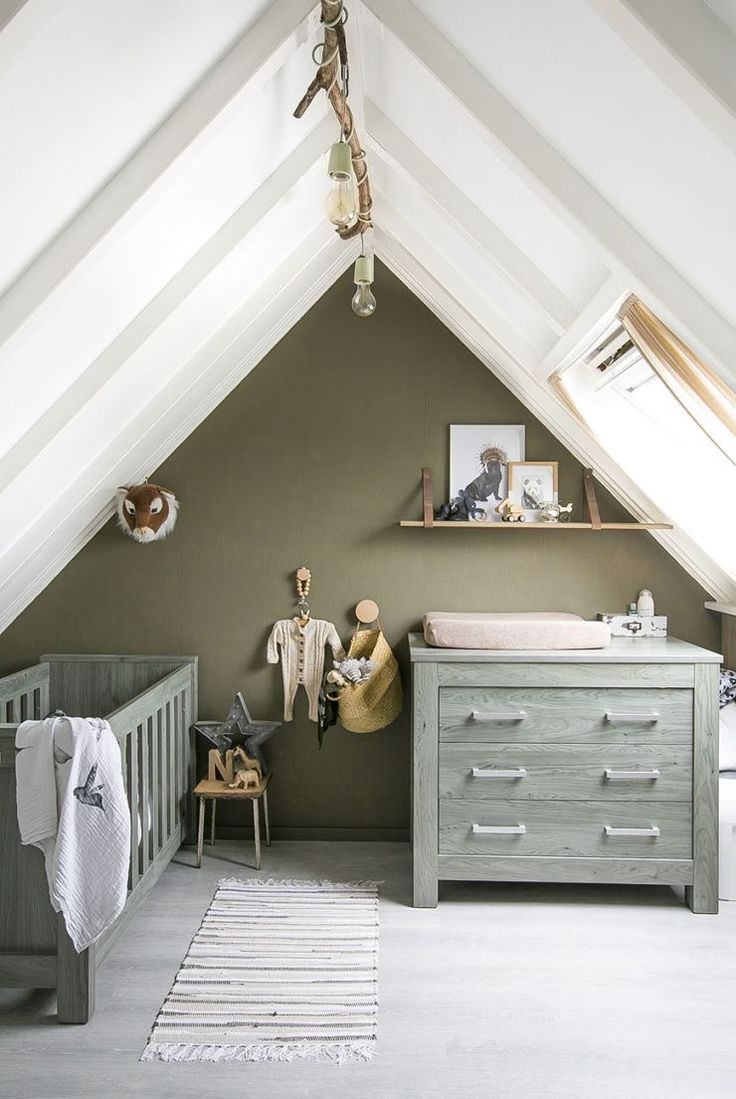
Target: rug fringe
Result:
[338, 1053]
[299, 883]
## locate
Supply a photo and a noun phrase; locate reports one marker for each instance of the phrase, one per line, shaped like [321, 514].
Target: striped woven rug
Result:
[278, 970]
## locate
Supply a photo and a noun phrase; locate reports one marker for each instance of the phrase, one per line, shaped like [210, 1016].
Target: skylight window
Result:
[665, 437]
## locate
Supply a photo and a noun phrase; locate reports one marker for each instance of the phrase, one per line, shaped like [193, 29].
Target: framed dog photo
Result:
[479, 458]
[532, 485]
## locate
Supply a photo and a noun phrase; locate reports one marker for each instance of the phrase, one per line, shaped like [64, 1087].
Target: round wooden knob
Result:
[367, 611]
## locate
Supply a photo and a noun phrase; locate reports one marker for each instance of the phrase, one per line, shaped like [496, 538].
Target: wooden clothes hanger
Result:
[303, 584]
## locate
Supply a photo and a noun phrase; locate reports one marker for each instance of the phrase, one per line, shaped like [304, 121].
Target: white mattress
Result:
[525, 630]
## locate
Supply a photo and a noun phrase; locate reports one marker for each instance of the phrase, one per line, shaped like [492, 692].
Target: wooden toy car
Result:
[510, 513]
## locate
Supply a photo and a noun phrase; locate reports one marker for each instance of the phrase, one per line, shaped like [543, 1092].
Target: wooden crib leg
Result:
[75, 980]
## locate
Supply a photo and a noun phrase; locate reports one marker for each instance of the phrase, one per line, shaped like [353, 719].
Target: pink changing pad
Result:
[526, 630]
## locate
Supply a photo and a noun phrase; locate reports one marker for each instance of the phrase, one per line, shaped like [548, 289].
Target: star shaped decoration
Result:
[239, 730]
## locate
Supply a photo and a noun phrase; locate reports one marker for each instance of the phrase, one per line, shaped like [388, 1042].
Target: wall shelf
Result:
[595, 523]
[534, 526]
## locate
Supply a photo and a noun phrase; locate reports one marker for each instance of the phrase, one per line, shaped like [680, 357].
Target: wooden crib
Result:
[151, 704]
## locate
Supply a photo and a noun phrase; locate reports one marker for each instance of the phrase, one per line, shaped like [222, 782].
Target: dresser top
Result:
[622, 650]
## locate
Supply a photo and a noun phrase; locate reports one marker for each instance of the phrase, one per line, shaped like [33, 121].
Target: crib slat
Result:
[156, 781]
[190, 780]
[133, 799]
[176, 784]
[165, 814]
[171, 776]
[184, 788]
[44, 697]
[124, 764]
[144, 810]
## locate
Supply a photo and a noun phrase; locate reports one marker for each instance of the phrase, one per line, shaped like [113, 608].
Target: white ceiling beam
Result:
[8, 10]
[554, 179]
[256, 56]
[169, 298]
[356, 87]
[429, 285]
[585, 328]
[500, 251]
[688, 48]
[150, 436]
[515, 344]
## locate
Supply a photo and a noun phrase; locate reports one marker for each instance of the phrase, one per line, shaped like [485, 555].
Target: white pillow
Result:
[727, 746]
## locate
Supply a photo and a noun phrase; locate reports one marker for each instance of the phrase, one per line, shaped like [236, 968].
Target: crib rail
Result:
[153, 731]
[24, 695]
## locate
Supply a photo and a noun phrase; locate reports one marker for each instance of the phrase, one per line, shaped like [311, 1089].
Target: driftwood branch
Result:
[334, 53]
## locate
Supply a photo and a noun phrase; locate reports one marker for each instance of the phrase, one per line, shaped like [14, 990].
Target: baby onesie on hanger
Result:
[302, 658]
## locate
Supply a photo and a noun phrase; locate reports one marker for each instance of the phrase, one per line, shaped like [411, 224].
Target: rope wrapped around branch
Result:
[335, 54]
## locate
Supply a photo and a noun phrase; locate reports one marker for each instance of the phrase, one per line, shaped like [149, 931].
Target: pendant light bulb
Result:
[340, 205]
[364, 302]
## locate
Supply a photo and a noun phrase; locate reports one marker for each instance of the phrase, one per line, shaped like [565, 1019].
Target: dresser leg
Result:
[425, 762]
[425, 892]
[702, 895]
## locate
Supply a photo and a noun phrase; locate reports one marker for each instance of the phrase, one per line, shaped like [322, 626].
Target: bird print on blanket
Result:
[89, 794]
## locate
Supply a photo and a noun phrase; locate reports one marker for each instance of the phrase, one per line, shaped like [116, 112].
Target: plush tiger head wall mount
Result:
[147, 512]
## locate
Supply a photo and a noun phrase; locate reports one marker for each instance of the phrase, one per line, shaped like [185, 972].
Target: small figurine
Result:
[552, 512]
[245, 780]
[460, 510]
[249, 776]
[509, 512]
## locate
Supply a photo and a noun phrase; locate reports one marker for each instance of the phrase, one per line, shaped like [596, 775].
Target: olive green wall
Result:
[313, 460]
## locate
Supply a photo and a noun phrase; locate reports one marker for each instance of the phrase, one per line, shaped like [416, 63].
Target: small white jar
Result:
[645, 603]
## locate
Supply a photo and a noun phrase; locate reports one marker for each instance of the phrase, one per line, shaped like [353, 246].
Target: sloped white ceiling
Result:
[88, 81]
[725, 10]
[162, 215]
[614, 120]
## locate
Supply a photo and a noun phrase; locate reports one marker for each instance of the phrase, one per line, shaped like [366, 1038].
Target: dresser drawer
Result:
[566, 772]
[560, 714]
[565, 829]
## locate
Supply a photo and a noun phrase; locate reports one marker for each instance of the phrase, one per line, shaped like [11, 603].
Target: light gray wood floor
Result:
[506, 991]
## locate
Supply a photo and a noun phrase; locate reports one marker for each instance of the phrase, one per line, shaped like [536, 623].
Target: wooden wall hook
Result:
[367, 611]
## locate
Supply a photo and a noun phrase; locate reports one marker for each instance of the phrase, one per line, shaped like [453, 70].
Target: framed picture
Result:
[532, 484]
[479, 458]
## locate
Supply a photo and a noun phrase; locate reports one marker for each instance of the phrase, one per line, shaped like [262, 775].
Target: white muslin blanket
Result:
[72, 805]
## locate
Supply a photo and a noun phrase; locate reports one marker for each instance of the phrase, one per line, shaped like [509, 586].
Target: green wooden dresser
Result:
[584, 766]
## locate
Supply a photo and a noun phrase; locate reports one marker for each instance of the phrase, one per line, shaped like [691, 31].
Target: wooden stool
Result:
[214, 789]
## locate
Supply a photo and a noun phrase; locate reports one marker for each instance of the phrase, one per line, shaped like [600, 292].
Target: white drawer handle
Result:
[499, 715]
[651, 831]
[627, 776]
[494, 772]
[499, 829]
[627, 716]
